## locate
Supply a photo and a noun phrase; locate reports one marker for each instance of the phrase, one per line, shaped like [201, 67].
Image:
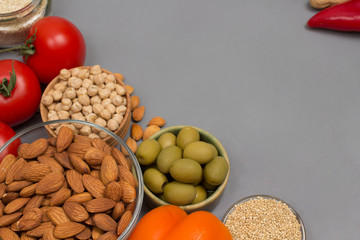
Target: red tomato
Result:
[59, 44]
[24, 98]
[6, 132]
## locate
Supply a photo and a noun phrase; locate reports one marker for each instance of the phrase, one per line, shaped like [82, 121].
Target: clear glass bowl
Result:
[15, 25]
[37, 131]
[302, 226]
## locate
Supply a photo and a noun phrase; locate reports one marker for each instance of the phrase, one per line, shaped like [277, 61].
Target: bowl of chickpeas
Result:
[87, 93]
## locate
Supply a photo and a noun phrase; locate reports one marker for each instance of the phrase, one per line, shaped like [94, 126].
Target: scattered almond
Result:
[150, 130]
[136, 132]
[131, 143]
[138, 113]
[158, 121]
[134, 102]
[129, 89]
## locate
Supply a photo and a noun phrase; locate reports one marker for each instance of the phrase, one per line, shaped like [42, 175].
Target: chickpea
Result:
[105, 114]
[86, 83]
[75, 72]
[81, 91]
[112, 124]
[83, 73]
[64, 74]
[47, 100]
[95, 99]
[106, 102]
[103, 134]
[96, 69]
[111, 86]
[124, 102]
[99, 79]
[74, 82]
[113, 94]
[104, 93]
[52, 113]
[66, 107]
[110, 78]
[93, 135]
[120, 90]
[100, 121]
[57, 95]
[58, 107]
[63, 114]
[60, 86]
[50, 92]
[84, 100]
[118, 117]
[91, 117]
[121, 109]
[111, 108]
[117, 100]
[97, 108]
[66, 101]
[86, 110]
[70, 93]
[76, 107]
[78, 116]
[85, 130]
[93, 90]
[51, 107]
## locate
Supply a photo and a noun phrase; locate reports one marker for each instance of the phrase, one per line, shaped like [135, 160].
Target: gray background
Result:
[283, 99]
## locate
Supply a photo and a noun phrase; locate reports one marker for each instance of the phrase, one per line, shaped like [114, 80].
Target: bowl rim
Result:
[219, 190]
[140, 188]
[126, 118]
[255, 196]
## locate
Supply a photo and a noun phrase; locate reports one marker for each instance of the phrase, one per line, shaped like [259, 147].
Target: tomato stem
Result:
[6, 86]
[25, 49]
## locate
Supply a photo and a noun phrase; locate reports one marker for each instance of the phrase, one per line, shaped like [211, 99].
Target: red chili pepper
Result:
[342, 17]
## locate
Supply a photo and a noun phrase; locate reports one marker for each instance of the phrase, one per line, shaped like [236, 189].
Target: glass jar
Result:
[16, 23]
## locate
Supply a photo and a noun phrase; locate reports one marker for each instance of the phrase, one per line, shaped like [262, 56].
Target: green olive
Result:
[167, 139]
[186, 171]
[215, 151]
[208, 186]
[179, 193]
[167, 156]
[148, 151]
[155, 180]
[187, 135]
[215, 171]
[199, 151]
[201, 194]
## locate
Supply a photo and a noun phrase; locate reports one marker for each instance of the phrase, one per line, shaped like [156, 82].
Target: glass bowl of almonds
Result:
[91, 94]
[68, 186]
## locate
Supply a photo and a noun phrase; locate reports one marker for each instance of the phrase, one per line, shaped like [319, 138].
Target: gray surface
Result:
[283, 99]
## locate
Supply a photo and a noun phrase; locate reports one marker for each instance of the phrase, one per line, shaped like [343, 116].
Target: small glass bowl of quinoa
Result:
[260, 217]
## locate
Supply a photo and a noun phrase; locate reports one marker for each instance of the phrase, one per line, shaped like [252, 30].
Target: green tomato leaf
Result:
[6, 85]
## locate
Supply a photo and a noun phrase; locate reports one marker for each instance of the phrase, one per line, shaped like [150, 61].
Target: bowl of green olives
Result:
[184, 166]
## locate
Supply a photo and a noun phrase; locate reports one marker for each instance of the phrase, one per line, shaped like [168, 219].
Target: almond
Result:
[136, 132]
[68, 229]
[79, 148]
[158, 121]
[119, 77]
[63, 159]
[120, 157]
[94, 156]
[60, 196]
[15, 205]
[75, 211]
[150, 130]
[49, 234]
[64, 138]
[127, 176]
[131, 143]
[113, 191]
[57, 215]
[36, 148]
[74, 179]
[134, 102]
[8, 234]
[96, 233]
[138, 113]
[22, 149]
[129, 89]
[104, 222]
[79, 164]
[109, 170]
[53, 164]
[10, 176]
[128, 192]
[81, 138]
[124, 222]
[17, 186]
[35, 202]
[9, 197]
[30, 220]
[2, 206]
[118, 210]
[26, 237]
[99, 205]
[44, 215]
[102, 145]
[50, 183]
[85, 234]
[108, 236]
[5, 166]
[19, 175]
[36, 172]
[50, 151]
[6, 220]
[2, 189]
[39, 231]
[80, 197]
[96, 173]
[94, 186]
[130, 207]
